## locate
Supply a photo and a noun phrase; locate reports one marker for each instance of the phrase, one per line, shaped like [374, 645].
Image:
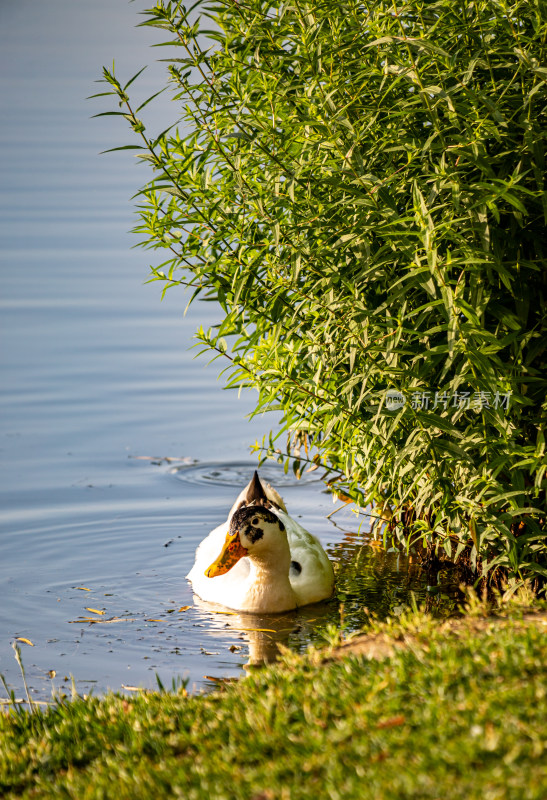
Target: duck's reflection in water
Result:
[266, 634]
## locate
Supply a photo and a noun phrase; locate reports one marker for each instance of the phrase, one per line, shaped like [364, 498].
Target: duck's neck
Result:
[270, 587]
[271, 569]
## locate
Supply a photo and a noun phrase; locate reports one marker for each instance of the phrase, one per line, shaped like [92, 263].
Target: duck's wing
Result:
[208, 550]
[311, 574]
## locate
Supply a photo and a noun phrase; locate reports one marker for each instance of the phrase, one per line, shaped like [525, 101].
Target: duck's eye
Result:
[255, 521]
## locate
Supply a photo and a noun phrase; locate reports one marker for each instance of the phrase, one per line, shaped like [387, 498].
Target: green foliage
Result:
[361, 187]
[453, 715]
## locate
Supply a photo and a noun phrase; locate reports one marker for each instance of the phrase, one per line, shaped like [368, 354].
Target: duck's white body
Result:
[285, 568]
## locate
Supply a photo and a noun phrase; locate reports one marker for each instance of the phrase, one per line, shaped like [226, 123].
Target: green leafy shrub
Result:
[361, 187]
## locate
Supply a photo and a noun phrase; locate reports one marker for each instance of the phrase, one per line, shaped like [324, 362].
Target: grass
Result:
[456, 711]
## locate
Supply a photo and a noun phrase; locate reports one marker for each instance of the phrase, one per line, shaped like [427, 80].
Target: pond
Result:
[120, 451]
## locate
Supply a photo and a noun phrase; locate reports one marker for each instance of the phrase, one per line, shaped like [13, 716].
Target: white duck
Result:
[261, 560]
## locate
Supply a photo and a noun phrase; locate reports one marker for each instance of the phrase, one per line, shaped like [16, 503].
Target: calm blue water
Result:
[99, 388]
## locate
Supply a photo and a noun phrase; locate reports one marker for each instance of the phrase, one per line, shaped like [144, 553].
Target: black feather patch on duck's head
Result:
[248, 519]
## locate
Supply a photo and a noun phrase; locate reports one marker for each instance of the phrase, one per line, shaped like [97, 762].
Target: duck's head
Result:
[254, 531]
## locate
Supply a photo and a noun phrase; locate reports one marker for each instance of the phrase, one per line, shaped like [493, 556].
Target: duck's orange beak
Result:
[231, 552]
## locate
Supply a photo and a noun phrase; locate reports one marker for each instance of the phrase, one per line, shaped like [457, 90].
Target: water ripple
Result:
[239, 473]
